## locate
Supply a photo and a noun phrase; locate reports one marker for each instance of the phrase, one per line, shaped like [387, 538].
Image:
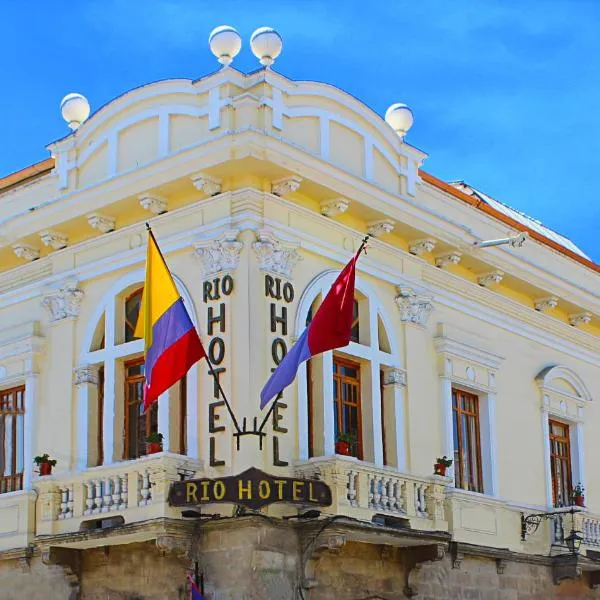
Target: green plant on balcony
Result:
[344, 442]
[45, 463]
[154, 443]
[578, 495]
[441, 464]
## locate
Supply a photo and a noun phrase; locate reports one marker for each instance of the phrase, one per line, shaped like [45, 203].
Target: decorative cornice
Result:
[543, 304]
[211, 186]
[394, 377]
[422, 246]
[64, 302]
[582, 318]
[23, 347]
[85, 374]
[335, 207]
[102, 223]
[274, 256]
[153, 204]
[453, 348]
[487, 279]
[447, 259]
[413, 308]
[285, 185]
[219, 255]
[26, 252]
[378, 228]
[54, 239]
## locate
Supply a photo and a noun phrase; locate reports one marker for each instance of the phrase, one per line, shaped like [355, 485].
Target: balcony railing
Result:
[587, 524]
[361, 490]
[135, 490]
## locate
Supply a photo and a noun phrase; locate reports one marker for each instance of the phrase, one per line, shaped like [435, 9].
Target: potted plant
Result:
[45, 463]
[577, 494]
[441, 464]
[344, 443]
[154, 443]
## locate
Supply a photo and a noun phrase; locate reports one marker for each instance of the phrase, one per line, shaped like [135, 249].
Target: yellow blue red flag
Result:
[172, 344]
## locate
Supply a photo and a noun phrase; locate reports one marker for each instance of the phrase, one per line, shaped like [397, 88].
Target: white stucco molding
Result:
[335, 207]
[422, 246]
[448, 258]
[64, 302]
[220, 255]
[153, 204]
[275, 256]
[86, 374]
[380, 227]
[285, 185]
[26, 252]
[547, 376]
[22, 342]
[488, 279]
[414, 307]
[55, 239]
[454, 348]
[101, 222]
[211, 186]
[582, 318]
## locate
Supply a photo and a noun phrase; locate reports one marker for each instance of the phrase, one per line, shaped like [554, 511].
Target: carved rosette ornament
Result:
[578, 319]
[220, 255]
[544, 304]
[420, 247]
[488, 279]
[285, 185]
[274, 256]
[449, 258]
[381, 227]
[335, 207]
[413, 307]
[64, 303]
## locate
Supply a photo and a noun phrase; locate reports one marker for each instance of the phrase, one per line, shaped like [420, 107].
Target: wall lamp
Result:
[530, 524]
[516, 241]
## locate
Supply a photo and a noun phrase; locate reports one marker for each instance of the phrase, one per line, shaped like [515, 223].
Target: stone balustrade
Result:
[137, 490]
[361, 490]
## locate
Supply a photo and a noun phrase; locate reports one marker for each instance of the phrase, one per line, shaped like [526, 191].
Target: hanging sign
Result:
[252, 488]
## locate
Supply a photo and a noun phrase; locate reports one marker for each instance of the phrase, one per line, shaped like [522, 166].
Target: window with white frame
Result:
[116, 426]
[12, 415]
[564, 398]
[352, 390]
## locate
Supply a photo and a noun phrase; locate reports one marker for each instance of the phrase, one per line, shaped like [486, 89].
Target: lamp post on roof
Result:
[75, 109]
[266, 45]
[400, 118]
[225, 43]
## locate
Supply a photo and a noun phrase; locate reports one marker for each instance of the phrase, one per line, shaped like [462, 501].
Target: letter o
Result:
[216, 358]
[278, 350]
[264, 489]
[288, 291]
[219, 490]
[227, 285]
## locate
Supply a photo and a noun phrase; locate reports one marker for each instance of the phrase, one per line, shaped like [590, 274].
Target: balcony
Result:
[69, 507]
[17, 519]
[360, 490]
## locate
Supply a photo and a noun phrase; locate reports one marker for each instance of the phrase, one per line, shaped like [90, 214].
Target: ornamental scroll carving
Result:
[274, 256]
[64, 303]
[220, 255]
[413, 307]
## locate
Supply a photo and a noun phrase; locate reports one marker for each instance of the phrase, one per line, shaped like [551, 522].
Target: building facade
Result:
[259, 189]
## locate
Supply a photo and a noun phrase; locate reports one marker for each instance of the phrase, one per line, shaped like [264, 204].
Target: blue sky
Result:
[506, 93]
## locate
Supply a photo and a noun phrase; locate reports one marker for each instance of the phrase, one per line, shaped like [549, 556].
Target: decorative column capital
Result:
[422, 246]
[285, 185]
[64, 303]
[211, 186]
[54, 239]
[219, 255]
[102, 223]
[335, 207]
[380, 227]
[26, 252]
[544, 304]
[448, 258]
[87, 374]
[413, 308]
[393, 377]
[274, 256]
[487, 279]
[582, 318]
[153, 204]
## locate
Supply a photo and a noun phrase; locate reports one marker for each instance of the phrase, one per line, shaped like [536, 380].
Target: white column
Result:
[488, 445]
[29, 433]
[108, 418]
[579, 442]
[546, 440]
[447, 421]
[193, 449]
[302, 413]
[85, 378]
[376, 412]
[164, 403]
[328, 411]
[394, 386]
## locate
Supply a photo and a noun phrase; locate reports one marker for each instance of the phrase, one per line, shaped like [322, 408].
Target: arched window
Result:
[346, 393]
[116, 426]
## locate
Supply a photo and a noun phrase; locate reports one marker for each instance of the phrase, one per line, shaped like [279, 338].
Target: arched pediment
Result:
[563, 381]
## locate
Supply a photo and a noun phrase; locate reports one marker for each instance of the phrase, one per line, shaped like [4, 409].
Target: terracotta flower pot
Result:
[342, 448]
[579, 500]
[45, 468]
[153, 447]
[440, 469]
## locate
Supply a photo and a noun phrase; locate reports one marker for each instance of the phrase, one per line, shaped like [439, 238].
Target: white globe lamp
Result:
[75, 109]
[225, 43]
[266, 45]
[400, 118]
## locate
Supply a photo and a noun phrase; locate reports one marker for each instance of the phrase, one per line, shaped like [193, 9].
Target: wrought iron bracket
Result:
[530, 523]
